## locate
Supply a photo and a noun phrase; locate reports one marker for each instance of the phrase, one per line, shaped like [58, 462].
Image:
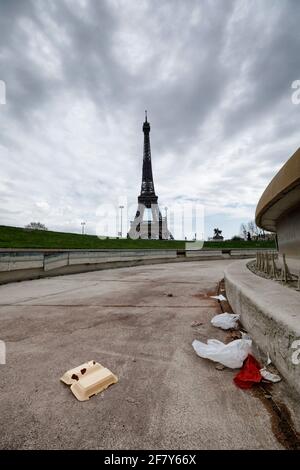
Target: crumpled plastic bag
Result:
[245, 335]
[249, 374]
[231, 355]
[218, 297]
[225, 320]
[269, 376]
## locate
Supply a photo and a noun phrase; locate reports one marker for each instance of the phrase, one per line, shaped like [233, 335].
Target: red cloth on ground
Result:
[249, 374]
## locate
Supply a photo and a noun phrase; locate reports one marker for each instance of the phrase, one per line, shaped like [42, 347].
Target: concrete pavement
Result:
[166, 397]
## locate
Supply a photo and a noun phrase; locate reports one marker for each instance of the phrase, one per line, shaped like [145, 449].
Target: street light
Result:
[82, 227]
[121, 231]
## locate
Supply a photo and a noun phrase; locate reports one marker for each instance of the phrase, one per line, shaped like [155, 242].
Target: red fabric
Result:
[249, 374]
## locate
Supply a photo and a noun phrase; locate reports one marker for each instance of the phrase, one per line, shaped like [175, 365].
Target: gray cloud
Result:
[214, 75]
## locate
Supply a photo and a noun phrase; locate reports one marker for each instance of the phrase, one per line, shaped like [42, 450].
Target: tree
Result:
[252, 228]
[36, 226]
[243, 231]
[255, 232]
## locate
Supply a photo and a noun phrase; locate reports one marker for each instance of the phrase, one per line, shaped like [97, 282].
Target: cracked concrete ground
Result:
[166, 397]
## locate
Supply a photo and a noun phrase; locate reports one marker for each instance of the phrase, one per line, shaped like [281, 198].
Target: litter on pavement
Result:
[231, 355]
[252, 373]
[245, 335]
[88, 379]
[249, 374]
[234, 334]
[218, 297]
[196, 323]
[268, 360]
[235, 354]
[226, 321]
[269, 376]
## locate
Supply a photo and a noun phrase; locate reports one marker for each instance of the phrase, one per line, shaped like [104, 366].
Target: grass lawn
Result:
[15, 237]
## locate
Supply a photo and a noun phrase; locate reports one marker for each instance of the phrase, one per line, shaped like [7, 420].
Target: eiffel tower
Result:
[157, 226]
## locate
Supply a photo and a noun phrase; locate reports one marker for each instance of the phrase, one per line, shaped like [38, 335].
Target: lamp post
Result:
[82, 227]
[121, 231]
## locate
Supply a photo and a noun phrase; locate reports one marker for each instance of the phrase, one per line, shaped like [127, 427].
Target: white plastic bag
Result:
[245, 335]
[230, 355]
[218, 297]
[269, 376]
[225, 320]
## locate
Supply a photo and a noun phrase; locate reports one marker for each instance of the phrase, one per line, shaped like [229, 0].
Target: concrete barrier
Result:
[22, 265]
[55, 261]
[217, 254]
[118, 255]
[19, 260]
[25, 264]
[247, 253]
[270, 312]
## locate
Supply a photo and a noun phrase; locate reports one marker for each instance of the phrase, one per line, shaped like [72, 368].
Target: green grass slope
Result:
[15, 237]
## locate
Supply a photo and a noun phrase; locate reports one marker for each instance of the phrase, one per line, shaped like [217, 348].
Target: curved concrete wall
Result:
[281, 196]
[288, 233]
[278, 209]
[270, 313]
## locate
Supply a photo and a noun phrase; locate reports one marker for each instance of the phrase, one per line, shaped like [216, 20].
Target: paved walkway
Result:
[167, 397]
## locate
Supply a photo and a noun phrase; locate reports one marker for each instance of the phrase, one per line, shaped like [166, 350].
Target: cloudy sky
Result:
[214, 75]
